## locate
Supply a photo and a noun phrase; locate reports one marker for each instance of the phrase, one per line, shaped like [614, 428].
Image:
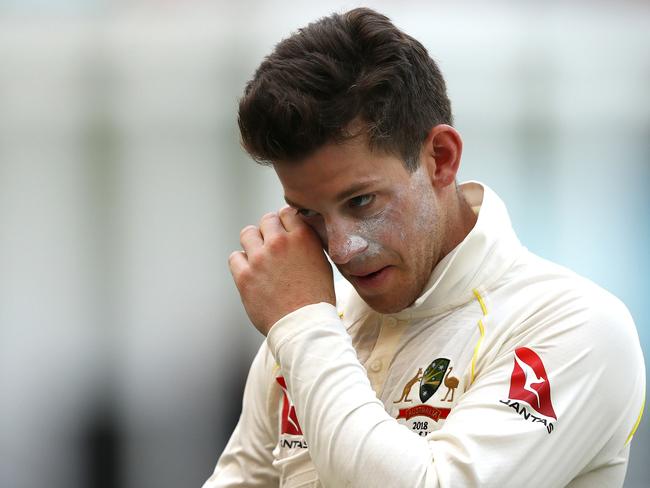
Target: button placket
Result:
[377, 364]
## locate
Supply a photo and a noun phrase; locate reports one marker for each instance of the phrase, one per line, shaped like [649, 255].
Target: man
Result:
[450, 356]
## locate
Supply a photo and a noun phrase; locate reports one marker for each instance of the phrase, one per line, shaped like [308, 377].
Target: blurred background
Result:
[123, 343]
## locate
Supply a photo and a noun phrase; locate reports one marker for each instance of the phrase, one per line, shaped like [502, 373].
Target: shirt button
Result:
[376, 365]
[391, 322]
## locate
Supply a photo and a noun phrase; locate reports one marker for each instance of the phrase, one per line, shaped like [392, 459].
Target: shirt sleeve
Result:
[247, 460]
[484, 442]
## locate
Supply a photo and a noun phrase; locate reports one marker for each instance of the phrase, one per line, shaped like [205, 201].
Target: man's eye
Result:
[361, 200]
[305, 212]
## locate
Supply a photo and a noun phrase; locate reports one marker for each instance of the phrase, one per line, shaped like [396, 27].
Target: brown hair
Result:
[342, 68]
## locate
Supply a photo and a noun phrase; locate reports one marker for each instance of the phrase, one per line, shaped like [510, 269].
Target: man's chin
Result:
[382, 290]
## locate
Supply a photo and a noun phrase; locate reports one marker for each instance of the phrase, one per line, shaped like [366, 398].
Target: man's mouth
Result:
[370, 279]
[367, 274]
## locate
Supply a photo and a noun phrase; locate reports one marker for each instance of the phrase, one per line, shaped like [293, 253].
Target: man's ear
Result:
[441, 154]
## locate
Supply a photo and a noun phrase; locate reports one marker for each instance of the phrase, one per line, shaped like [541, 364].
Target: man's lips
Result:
[366, 273]
[371, 280]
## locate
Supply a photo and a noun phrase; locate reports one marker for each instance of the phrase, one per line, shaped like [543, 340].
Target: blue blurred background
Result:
[123, 343]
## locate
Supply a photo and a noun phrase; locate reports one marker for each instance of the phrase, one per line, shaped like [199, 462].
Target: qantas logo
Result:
[289, 423]
[529, 382]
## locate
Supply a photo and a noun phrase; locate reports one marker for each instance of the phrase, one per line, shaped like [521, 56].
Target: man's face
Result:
[379, 224]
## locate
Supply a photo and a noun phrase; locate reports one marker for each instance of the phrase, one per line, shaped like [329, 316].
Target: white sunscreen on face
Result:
[356, 244]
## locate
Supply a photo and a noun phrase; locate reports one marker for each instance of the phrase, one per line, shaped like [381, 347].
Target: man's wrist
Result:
[292, 324]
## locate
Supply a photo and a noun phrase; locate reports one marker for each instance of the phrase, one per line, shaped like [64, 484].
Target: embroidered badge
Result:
[423, 418]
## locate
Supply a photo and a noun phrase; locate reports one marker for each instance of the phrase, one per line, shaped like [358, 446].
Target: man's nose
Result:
[343, 245]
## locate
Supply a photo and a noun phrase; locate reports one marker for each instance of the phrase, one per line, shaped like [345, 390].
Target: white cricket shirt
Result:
[507, 371]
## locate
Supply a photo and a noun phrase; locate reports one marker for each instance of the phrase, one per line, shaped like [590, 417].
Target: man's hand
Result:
[282, 268]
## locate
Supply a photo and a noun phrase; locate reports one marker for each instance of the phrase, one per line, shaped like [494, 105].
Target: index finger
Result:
[270, 224]
[290, 219]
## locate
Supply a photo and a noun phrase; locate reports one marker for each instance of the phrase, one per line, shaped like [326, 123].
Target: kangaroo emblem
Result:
[407, 387]
[451, 383]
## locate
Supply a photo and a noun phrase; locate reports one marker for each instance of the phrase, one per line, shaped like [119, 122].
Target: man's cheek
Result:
[319, 228]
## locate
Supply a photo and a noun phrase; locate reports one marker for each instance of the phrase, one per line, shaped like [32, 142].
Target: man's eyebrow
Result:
[292, 203]
[354, 189]
[343, 195]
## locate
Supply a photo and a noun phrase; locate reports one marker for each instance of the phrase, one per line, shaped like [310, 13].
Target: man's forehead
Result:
[338, 171]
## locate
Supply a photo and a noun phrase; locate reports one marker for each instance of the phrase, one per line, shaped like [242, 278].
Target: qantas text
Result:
[291, 443]
[525, 413]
